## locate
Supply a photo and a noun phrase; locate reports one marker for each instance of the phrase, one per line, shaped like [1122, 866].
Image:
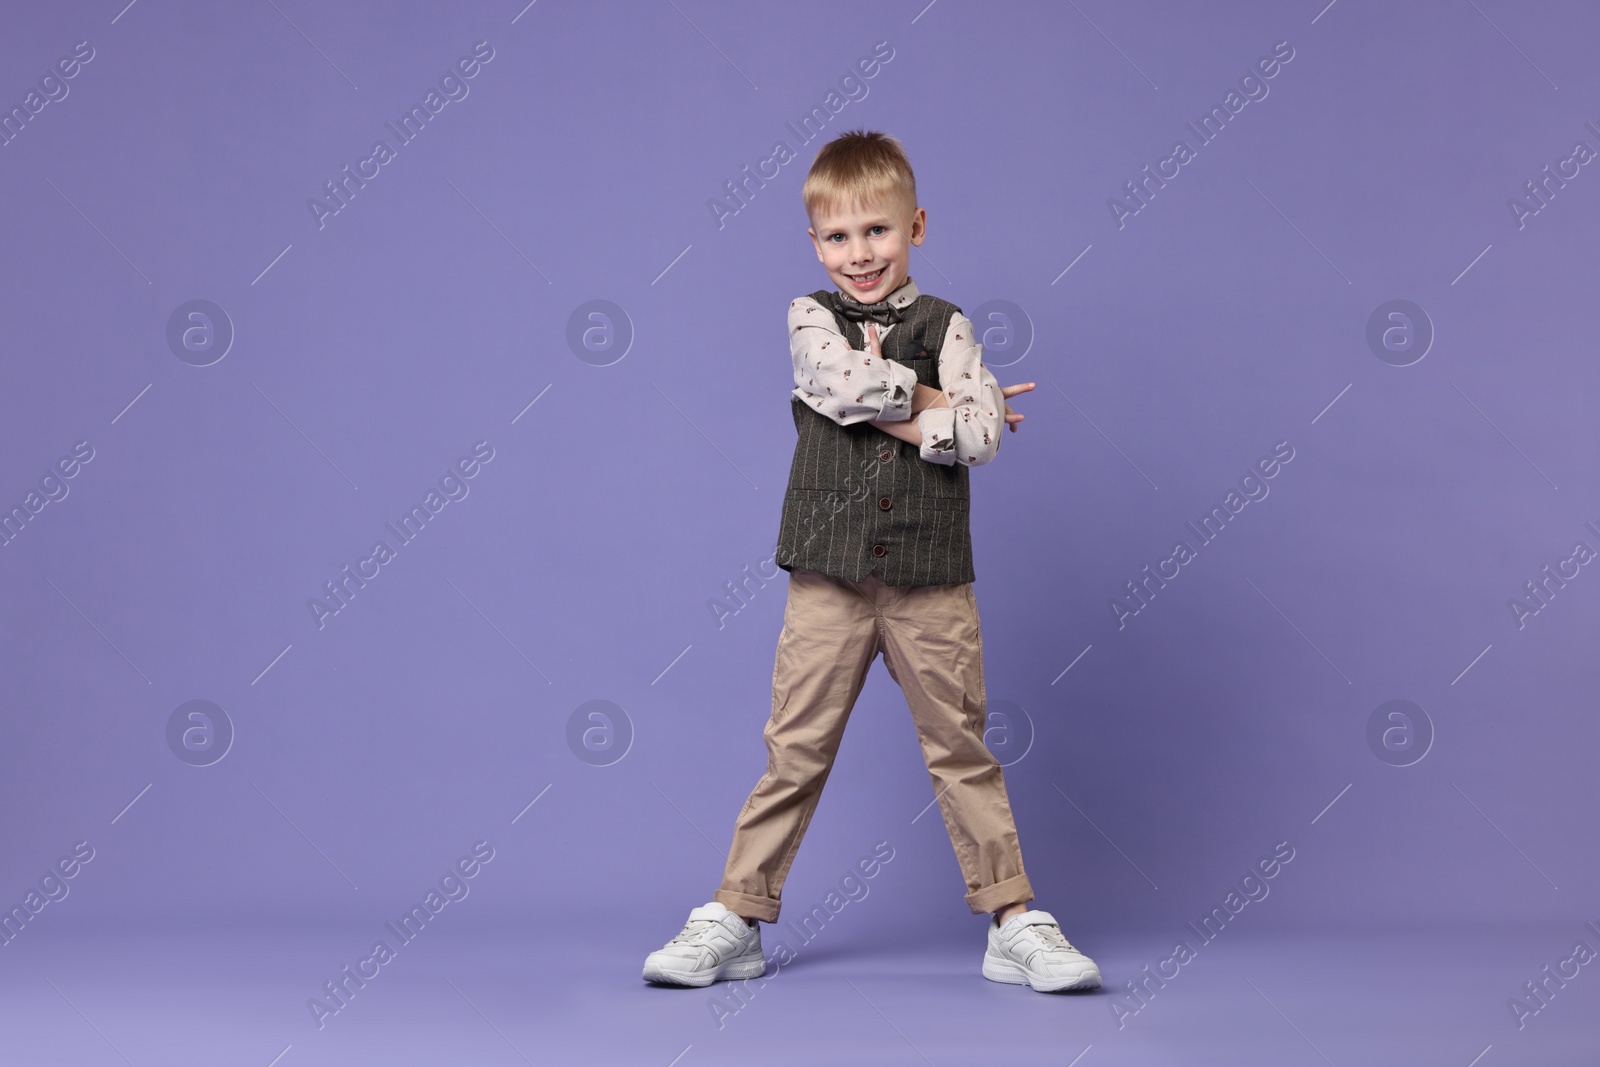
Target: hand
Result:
[906, 429]
[922, 396]
[1012, 418]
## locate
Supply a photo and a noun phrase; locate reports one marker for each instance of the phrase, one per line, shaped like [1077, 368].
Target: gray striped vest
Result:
[859, 500]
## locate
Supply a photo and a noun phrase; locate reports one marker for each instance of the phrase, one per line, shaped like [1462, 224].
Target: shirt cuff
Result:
[938, 426]
[897, 399]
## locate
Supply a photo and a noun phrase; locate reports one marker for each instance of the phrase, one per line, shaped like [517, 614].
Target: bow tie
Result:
[883, 313]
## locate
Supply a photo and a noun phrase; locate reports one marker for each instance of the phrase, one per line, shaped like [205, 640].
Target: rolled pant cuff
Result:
[760, 908]
[1016, 890]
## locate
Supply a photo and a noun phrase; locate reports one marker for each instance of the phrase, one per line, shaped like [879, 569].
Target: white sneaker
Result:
[715, 945]
[1030, 949]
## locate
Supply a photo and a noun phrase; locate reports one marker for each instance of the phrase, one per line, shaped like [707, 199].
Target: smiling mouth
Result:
[866, 279]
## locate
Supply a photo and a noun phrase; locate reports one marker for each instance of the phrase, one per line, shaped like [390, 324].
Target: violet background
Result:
[433, 309]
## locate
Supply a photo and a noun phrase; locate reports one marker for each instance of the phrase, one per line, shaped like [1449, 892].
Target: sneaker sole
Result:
[732, 971]
[1001, 970]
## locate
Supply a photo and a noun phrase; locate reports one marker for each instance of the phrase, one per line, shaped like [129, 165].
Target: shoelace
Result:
[692, 931]
[1052, 937]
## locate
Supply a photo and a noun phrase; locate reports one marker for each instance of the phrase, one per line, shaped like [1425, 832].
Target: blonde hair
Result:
[859, 167]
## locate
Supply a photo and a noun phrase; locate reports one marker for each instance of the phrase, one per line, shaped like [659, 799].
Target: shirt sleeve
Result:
[968, 431]
[846, 385]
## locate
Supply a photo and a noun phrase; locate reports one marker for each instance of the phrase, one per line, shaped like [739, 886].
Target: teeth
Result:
[867, 277]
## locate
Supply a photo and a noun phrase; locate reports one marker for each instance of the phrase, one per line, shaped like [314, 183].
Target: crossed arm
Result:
[908, 430]
[958, 423]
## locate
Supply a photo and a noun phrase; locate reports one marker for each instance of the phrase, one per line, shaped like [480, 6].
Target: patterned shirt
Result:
[852, 386]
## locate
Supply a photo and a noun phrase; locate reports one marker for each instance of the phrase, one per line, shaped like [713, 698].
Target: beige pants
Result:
[832, 631]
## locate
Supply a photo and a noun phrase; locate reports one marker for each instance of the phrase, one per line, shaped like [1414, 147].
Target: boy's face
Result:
[866, 250]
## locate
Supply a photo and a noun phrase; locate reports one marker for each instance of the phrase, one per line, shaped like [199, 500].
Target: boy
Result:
[892, 404]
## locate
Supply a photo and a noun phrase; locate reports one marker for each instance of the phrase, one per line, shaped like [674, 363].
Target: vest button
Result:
[879, 550]
[885, 455]
[885, 503]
